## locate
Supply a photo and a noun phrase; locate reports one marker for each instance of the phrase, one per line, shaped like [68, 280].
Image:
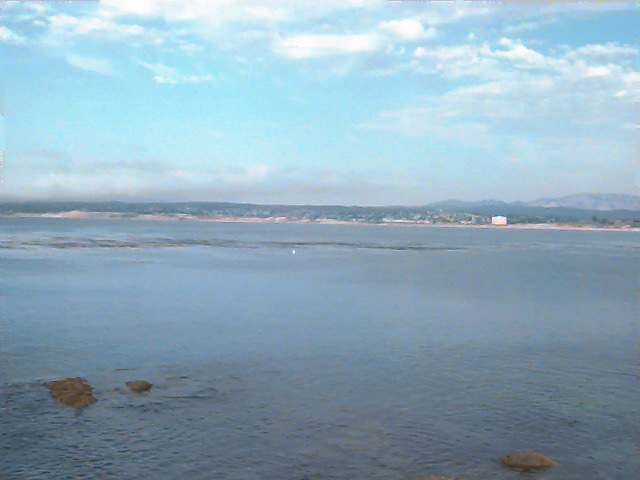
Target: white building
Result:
[499, 220]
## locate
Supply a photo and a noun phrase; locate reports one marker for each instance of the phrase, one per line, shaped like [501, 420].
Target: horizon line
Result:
[448, 200]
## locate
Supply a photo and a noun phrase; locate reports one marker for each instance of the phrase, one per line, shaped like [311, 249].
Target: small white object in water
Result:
[293, 252]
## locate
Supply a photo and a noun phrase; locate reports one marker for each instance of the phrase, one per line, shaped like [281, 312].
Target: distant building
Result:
[499, 220]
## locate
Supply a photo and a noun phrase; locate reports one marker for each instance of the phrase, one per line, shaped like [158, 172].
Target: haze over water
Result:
[373, 352]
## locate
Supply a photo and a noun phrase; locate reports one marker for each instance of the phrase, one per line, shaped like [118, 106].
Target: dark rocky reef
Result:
[527, 461]
[139, 386]
[75, 392]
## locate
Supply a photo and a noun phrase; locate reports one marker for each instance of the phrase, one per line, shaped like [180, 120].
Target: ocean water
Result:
[374, 352]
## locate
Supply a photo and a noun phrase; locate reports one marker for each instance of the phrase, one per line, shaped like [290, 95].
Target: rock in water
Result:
[527, 461]
[433, 477]
[72, 391]
[436, 477]
[139, 386]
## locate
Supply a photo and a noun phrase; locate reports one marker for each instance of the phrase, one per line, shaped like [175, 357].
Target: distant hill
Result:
[581, 207]
[458, 204]
[586, 208]
[582, 201]
[591, 201]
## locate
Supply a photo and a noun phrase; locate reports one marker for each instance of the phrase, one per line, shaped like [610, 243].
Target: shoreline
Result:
[77, 215]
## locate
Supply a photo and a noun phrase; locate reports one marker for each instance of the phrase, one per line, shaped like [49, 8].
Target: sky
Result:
[358, 102]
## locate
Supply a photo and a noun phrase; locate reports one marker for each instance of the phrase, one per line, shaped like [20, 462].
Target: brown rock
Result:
[77, 400]
[436, 477]
[139, 386]
[527, 461]
[76, 384]
[72, 391]
[433, 477]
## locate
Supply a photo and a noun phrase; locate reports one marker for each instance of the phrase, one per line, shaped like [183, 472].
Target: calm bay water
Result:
[374, 352]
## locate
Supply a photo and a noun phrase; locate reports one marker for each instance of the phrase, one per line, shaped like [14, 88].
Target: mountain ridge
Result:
[583, 201]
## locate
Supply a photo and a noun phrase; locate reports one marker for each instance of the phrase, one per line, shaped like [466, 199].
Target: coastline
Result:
[78, 215]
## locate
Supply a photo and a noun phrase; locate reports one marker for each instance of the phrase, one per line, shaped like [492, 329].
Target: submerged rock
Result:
[139, 386]
[436, 477]
[72, 391]
[527, 461]
[433, 477]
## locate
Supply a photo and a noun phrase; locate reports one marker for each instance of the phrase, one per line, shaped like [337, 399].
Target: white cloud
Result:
[67, 32]
[198, 78]
[189, 48]
[447, 53]
[522, 92]
[90, 64]
[139, 7]
[170, 75]
[457, 61]
[408, 29]
[494, 61]
[250, 29]
[161, 79]
[448, 13]
[214, 13]
[518, 53]
[245, 183]
[523, 27]
[312, 46]
[64, 24]
[631, 82]
[538, 121]
[523, 104]
[160, 69]
[245, 175]
[432, 121]
[598, 71]
[8, 36]
[607, 50]
[268, 14]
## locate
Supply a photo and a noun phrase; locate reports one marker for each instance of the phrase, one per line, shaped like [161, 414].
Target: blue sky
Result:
[341, 102]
